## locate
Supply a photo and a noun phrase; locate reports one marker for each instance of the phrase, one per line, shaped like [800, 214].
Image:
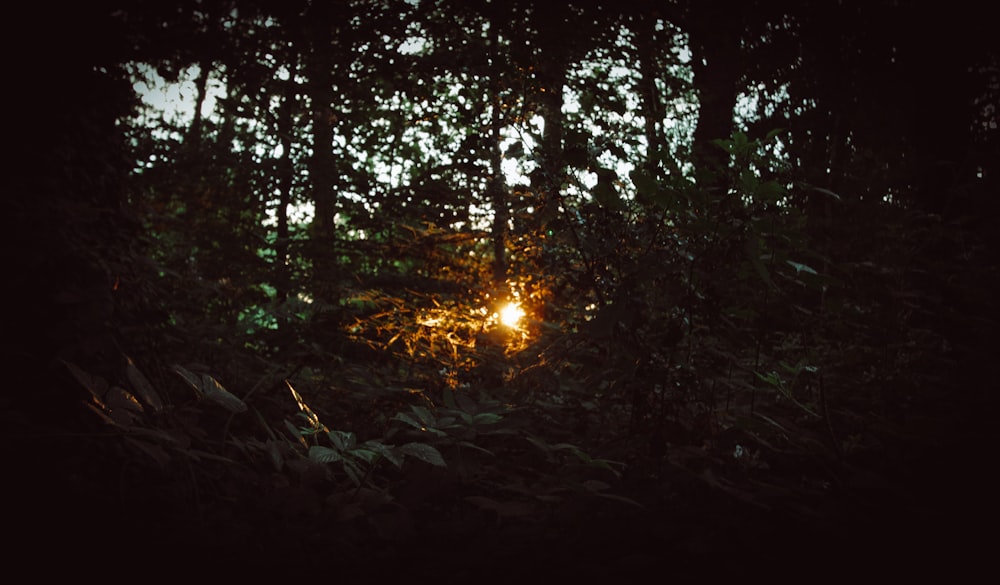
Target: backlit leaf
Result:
[142, 387]
[214, 391]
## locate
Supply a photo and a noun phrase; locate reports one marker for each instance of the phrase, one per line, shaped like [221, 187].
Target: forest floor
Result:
[72, 508]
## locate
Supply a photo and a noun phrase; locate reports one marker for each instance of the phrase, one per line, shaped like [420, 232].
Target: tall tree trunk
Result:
[551, 63]
[319, 64]
[651, 104]
[714, 32]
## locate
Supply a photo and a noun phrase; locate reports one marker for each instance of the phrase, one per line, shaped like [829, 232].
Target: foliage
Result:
[283, 314]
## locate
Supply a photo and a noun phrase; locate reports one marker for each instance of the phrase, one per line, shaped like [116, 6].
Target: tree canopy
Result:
[433, 287]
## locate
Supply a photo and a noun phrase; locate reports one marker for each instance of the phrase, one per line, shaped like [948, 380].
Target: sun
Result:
[511, 314]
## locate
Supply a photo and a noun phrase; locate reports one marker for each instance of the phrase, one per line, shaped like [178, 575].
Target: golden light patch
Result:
[511, 314]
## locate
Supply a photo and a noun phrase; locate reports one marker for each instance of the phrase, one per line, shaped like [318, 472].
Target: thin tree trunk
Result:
[201, 87]
[286, 173]
[496, 188]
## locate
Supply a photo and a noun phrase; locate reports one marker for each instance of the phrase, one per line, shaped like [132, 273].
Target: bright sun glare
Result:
[510, 314]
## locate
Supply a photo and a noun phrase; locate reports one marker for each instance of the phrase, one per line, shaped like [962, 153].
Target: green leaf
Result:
[352, 472]
[214, 391]
[274, 454]
[384, 450]
[595, 485]
[142, 387]
[366, 455]
[97, 386]
[447, 422]
[770, 378]
[321, 454]
[424, 415]
[486, 418]
[188, 376]
[476, 447]
[605, 464]
[578, 452]
[801, 267]
[295, 432]
[424, 453]
[724, 144]
[770, 190]
[606, 194]
[645, 183]
[826, 192]
[752, 249]
[539, 443]
[403, 417]
[342, 440]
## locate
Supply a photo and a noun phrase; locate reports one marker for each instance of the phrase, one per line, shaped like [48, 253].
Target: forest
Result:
[465, 291]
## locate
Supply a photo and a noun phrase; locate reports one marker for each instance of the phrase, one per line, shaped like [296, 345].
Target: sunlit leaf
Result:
[141, 386]
[118, 397]
[99, 410]
[188, 376]
[214, 391]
